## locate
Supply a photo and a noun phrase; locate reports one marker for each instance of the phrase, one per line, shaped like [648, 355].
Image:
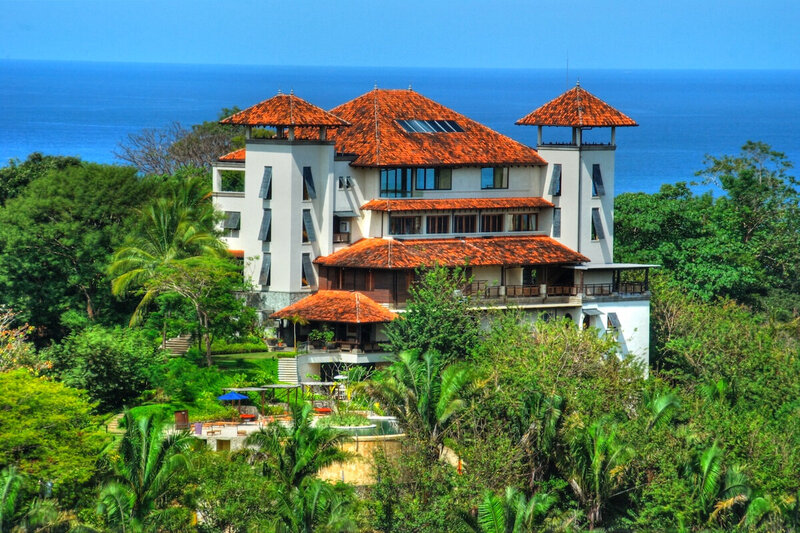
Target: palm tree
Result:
[172, 228]
[423, 396]
[719, 491]
[662, 408]
[295, 320]
[513, 513]
[37, 515]
[148, 458]
[10, 487]
[298, 452]
[595, 465]
[313, 506]
[542, 416]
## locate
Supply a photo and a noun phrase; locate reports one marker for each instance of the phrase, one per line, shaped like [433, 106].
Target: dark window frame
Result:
[522, 222]
[459, 225]
[433, 179]
[396, 182]
[555, 184]
[501, 172]
[438, 223]
[494, 220]
[414, 222]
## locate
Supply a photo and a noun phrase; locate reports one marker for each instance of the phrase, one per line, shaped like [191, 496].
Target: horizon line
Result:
[410, 67]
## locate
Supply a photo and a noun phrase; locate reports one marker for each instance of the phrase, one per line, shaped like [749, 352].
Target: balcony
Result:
[341, 238]
[484, 294]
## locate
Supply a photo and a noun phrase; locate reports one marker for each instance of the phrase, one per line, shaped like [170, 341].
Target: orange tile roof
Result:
[235, 156]
[579, 108]
[237, 253]
[425, 204]
[284, 110]
[477, 251]
[379, 141]
[338, 306]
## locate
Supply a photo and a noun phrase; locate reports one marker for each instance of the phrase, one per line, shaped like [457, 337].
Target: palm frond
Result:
[491, 514]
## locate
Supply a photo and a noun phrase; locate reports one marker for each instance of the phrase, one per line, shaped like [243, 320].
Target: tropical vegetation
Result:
[510, 424]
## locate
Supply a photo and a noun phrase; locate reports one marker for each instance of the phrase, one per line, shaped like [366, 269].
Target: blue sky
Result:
[715, 34]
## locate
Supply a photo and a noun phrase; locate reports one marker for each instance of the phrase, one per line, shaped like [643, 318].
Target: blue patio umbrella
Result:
[232, 395]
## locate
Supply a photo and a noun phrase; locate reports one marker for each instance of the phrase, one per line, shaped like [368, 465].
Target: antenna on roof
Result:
[567, 78]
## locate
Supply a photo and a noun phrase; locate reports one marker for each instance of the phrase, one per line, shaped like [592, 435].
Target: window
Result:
[232, 180]
[438, 224]
[232, 223]
[308, 226]
[492, 223]
[555, 183]
[597, 225]
[612, 322]
[266, 184]
[529, 275]
[597, 181]
[465, 223]
[309, 193]
[265, 233]
[404, 225]
[525, 222]
[494, 178]
[395, 182]
[430, 126]
[264, 276]
[433, 179]
[308, 271]
[345, 183]
[557, 222]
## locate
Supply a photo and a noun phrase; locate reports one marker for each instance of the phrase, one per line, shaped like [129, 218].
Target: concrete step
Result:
[287, 370]
[113, 425]
[178, 345]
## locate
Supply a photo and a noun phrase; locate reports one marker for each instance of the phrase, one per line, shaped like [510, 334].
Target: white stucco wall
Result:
[634, 318]
[576, 200]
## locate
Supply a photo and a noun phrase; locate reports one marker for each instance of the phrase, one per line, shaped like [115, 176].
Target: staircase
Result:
[112, 426]
[287, 370]
[178, 345]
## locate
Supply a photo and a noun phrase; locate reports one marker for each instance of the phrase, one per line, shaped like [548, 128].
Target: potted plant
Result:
[321, 337]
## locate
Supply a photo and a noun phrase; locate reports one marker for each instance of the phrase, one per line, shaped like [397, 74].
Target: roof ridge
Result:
[377, 128]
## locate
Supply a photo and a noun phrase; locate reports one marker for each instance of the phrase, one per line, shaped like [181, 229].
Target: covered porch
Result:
[336, 321]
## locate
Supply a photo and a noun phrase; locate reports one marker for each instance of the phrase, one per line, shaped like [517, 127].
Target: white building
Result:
[357, 198]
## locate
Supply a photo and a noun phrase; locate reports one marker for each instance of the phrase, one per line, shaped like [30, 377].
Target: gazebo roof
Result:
[577, 108]
[285, 110]
[338, 306]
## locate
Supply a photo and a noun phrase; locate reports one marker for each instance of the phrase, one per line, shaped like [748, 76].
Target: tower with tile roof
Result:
[280, 221]
[580, 176]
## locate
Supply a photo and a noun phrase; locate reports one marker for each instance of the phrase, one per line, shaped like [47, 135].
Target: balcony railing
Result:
[481, 289]
[341, 238]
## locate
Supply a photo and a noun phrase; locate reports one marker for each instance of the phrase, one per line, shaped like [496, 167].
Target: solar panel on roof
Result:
[430, 126]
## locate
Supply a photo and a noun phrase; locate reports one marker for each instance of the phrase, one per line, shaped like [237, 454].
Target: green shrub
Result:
[113, 365]
[344, 419]
[222, 347]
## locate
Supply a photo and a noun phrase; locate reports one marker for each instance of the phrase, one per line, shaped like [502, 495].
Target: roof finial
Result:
[410, 88]
[375, 88]
[291, 91]
[578, 83]
[279, 91]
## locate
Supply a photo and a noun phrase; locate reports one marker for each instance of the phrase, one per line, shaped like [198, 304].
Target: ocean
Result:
[87, 109]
